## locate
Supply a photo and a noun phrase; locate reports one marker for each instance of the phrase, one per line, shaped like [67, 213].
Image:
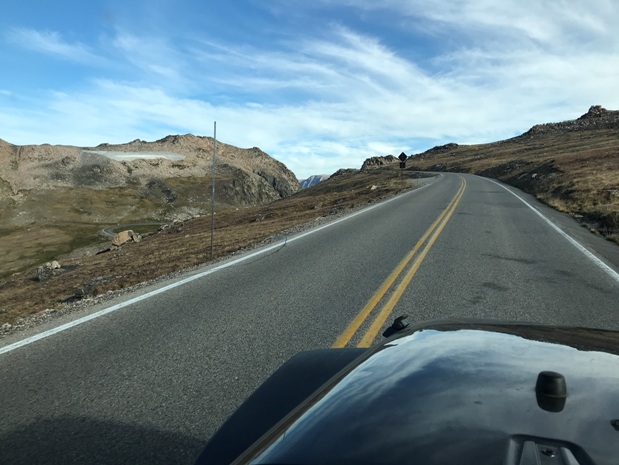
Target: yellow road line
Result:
[378, 322]
[354, 325]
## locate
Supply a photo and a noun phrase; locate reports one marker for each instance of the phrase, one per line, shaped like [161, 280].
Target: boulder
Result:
[44, 273]
[122, 237]
[48, 270]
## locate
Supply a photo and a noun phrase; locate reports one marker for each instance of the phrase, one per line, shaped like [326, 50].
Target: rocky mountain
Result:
[137, 180]
[313, 180]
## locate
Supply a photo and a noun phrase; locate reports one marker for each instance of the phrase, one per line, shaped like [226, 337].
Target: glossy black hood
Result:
[468, 396]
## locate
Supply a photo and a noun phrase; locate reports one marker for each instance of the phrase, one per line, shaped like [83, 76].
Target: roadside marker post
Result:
[213, 186]
[402, 158]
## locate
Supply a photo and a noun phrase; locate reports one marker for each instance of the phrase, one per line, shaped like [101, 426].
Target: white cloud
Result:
[51, 43]
[544, 22]
[323, 102]
[154, 56]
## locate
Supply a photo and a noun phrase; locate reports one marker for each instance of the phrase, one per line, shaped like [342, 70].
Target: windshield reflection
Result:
[449, 393]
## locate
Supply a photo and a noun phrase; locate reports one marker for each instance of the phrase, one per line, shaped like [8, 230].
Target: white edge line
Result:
[126, 303]
[612, 273]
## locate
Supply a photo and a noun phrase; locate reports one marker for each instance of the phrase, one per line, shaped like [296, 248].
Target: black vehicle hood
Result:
[453, 395]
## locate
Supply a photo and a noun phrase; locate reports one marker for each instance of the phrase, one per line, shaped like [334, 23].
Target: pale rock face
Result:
[122, 238]
[126, 236]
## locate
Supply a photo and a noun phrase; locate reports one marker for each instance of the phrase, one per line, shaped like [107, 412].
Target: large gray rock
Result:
[48, 270]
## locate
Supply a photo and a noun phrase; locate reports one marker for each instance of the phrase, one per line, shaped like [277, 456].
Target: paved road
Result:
[151, 382]
[109, 231]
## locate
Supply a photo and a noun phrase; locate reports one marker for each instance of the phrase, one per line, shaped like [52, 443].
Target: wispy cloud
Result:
[52, 43]
[419, 73]
[153, 55]
[527, 19]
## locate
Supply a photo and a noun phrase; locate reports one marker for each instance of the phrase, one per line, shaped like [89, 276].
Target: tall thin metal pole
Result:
[213, 186]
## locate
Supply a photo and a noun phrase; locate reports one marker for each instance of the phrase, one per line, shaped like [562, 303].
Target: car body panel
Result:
[459, 393]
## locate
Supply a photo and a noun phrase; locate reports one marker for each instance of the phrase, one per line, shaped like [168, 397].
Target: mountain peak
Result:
[313, 180]
[179, 138]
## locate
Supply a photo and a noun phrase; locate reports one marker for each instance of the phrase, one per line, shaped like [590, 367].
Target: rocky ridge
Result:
[377, 162]
[596, 118]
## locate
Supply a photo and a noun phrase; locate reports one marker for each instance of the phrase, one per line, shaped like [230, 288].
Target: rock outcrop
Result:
[596, 118]
[125, 236]
[377, 162]
[48, 270]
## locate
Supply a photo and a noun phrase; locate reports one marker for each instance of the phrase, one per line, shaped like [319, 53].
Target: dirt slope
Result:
[572, 166]
[185, 244]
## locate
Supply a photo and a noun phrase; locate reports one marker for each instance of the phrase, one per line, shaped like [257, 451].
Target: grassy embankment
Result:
[53, 223]
[573, 171]
[187, 244]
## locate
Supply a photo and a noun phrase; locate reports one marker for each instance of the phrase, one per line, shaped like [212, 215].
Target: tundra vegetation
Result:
[572, 166]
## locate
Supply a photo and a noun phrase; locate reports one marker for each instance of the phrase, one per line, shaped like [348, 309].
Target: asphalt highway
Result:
[152, 380]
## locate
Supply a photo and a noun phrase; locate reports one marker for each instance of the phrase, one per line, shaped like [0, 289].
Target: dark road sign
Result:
[403, 156]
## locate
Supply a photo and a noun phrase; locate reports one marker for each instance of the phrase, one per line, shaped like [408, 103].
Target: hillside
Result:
[572, 166]
[56, 198]
[184, 244]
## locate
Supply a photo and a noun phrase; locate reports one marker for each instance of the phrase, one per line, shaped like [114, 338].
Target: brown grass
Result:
[184, 245]
[53, 222]
[573, 171]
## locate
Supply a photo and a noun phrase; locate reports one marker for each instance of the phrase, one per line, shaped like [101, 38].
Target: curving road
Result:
[150, 380]
[108, 231]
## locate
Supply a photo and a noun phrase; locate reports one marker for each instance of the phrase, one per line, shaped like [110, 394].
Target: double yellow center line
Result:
[432, 233]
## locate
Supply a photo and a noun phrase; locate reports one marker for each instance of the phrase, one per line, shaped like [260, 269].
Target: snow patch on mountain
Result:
[128, 156]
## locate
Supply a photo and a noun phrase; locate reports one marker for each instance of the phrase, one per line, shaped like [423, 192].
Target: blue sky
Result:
[317, 84]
